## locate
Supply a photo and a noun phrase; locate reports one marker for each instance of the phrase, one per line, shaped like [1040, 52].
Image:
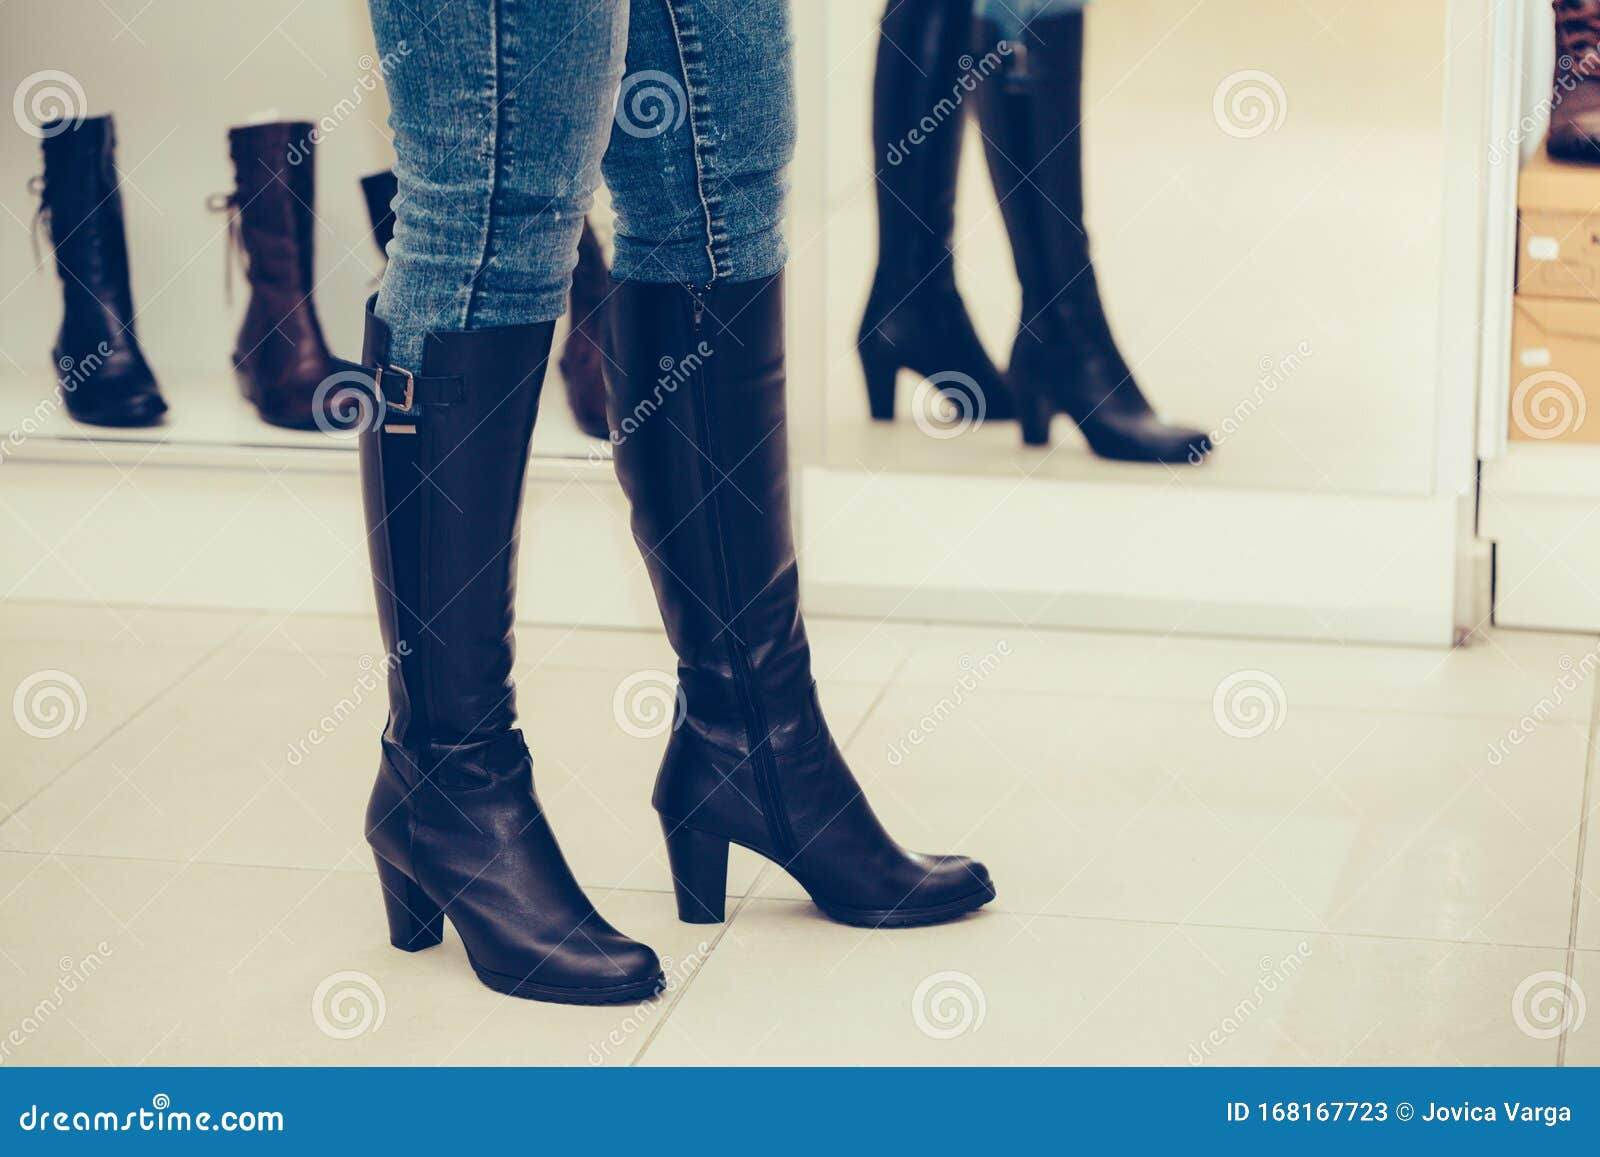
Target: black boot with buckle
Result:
[454, 820]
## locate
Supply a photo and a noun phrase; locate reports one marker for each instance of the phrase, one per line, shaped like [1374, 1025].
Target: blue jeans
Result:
[1015, 15]
[507, 112]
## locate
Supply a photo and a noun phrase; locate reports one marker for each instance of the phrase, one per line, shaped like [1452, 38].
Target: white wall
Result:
[177, 74]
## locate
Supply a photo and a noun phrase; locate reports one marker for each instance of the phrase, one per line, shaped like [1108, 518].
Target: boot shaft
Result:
[697, 399]
[274, 194]
[918, 128]
[443, 498]
[82, 200]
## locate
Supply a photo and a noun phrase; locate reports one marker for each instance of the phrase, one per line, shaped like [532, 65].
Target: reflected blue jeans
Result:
[1013, 16]
[506, 113]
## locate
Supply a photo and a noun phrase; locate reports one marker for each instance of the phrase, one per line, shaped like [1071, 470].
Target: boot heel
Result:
[699, 872]
[415, 922]
[1035, 411]
[881, 369]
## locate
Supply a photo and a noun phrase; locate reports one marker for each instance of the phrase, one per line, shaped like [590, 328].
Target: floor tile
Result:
[65, 696]
[293, 967]
[267, 758]
[1507, 674]
[1587, 932]
[1386, 824]
[1578, 1013]
[134, 626]
[1000, 989]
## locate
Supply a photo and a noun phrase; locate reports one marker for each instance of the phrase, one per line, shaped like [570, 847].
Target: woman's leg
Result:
[500, 115]
[915, 317]
[1065, 359]
[698, 423]
[1011, 17]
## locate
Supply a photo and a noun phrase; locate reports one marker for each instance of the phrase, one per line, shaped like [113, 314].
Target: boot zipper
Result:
[765, 765]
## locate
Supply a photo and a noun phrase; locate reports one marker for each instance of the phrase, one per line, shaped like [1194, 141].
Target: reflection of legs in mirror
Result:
[583, 357]
[698, 406]
[1575, 111]
[915, 317]
[493, 192]
[1066, 359]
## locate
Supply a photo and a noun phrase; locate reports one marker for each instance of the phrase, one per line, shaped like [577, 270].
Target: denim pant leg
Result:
[501, 111]
[704, 133]
[1013, 16]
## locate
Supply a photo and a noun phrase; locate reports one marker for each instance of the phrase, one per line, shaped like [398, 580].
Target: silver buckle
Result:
[407, 403]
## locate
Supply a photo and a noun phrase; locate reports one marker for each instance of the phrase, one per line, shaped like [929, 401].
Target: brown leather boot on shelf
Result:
[1575, 100]
[583, 357]
[281, 356]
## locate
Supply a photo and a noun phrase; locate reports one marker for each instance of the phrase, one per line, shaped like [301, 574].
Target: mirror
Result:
[1263, 187]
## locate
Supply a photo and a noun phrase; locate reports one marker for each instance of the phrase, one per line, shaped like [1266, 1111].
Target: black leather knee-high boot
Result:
[454, 820]
[915, 317]
[81, 198]
[1065, 359]
[702, 452]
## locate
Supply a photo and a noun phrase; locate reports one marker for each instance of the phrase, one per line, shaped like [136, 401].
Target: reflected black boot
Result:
[702, 453]
[915, 317]
[105, 380]
[454, 820]
[378, 190]
[583, 356]
[1065, 359]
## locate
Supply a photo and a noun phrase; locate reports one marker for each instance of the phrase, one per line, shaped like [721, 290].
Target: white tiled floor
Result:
[1362, 882]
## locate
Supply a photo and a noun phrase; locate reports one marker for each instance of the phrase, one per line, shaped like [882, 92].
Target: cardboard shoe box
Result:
[1558, 251]
[1555, 354]
[1555, 371]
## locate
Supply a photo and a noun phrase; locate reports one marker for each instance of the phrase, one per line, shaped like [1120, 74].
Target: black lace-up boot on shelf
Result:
[1575, 109]
[703, 457]
[915, 318]
[280, 357]
[105, 379]
[454, 820]
[1065, 359]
